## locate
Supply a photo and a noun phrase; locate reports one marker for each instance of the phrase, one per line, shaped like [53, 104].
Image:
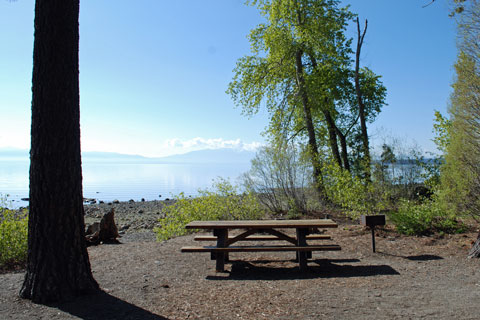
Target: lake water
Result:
[124, 181]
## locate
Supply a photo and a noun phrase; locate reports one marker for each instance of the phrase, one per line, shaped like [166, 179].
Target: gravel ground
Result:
[408, 278]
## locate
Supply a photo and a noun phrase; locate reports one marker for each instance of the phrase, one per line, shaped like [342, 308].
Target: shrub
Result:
[351, 193]
[424, 218]
[225, 203]
[281, 179]
[13, 237]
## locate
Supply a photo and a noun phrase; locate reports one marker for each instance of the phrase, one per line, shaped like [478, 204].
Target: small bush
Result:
[225, 203]
[13, 237]
[351, 193]
[281, 179]
[424, 218]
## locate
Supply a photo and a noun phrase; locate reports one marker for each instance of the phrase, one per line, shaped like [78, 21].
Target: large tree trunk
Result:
[312, 140]
[332, 128]
[58, 266]
[361, 106]
[343, 145]
[332, 137]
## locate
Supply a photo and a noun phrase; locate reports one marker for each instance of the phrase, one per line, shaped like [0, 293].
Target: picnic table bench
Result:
[269, 231]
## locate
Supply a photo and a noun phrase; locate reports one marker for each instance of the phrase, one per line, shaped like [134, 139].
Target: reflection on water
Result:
[123, 181]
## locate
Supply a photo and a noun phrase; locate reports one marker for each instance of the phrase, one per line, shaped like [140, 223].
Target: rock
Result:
[104, 232]
[141, 211]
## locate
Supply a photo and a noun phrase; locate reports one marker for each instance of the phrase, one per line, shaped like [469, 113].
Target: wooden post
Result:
[302, 242]
[373, 237]
[222, 236]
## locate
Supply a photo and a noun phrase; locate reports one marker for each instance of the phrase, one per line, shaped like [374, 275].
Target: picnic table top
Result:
[262, 224]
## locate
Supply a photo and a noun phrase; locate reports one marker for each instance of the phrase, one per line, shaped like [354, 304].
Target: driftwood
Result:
[104, 232]
[475, 251]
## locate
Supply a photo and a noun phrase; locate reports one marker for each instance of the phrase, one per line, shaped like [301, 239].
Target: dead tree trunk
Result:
[58, 266]
[361, 105]
[475, 251]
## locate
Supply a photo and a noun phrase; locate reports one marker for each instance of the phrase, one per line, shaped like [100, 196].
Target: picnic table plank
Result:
[262, 237]
[262, 224]
[327, 247]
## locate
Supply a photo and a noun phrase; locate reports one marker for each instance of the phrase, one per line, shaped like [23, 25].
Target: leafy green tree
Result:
[461, 172]
[301, 40]
[301, 70]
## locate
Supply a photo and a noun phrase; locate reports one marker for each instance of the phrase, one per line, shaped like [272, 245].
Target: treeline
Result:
[307, 74]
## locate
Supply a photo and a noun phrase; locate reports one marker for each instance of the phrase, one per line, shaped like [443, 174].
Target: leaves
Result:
[224, 203]
[13, 237]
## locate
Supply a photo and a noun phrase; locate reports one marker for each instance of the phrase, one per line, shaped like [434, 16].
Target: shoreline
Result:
[130, 216]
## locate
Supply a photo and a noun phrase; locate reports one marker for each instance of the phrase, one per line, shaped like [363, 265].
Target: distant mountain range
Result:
[195, 157]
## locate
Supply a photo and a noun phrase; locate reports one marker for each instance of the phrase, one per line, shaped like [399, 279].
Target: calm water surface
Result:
[124, 181]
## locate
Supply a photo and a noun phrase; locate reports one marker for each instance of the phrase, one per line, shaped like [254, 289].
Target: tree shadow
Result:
[105, 307]
[420, 257]
[424, 257]
[322, 268]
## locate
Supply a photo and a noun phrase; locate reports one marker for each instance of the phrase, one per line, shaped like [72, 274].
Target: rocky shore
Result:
[134, 219]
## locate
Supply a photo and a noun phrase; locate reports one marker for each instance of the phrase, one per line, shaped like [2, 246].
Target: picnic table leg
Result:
[302, 242]
[222, 236]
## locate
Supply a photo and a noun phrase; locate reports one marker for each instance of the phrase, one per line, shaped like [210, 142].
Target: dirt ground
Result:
[408, 278]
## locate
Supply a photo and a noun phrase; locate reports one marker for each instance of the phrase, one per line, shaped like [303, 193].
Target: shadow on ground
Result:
[106, 307]
[420, 257]
[322, 268]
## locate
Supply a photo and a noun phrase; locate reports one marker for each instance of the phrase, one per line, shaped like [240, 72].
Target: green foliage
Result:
[301, 70]
[224, 203]
[13, 237]
[441, 129]
[424, 218]
[460, 175]
[351, 193]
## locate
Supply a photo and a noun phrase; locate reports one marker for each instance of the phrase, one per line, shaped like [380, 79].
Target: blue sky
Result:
[153, 73]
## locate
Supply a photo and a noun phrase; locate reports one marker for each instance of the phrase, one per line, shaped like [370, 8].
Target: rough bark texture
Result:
[58, 266]
[312, 140]
[361, 105]
[475, 251]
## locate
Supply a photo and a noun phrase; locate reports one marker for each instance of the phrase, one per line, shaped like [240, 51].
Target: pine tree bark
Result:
[58, 266]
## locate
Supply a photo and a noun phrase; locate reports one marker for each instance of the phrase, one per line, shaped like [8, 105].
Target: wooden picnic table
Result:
[298, 243]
